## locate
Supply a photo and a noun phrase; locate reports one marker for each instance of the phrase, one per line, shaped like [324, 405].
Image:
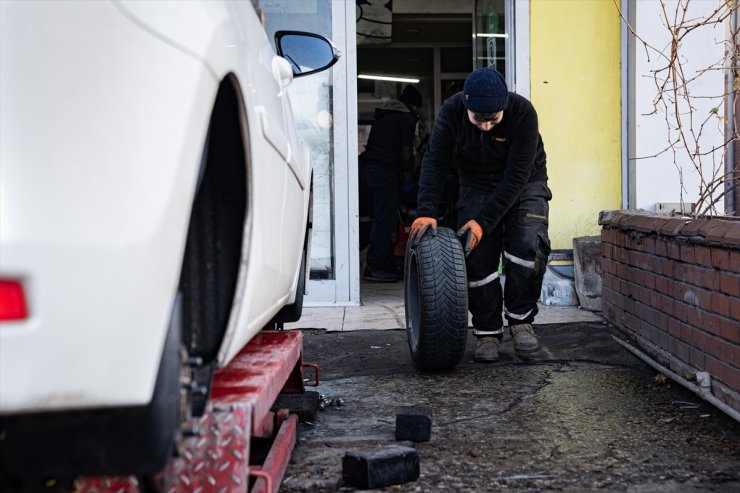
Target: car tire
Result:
[436, 300]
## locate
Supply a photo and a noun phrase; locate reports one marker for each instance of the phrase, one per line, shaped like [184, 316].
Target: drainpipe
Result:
[627, 69]
[732, 196]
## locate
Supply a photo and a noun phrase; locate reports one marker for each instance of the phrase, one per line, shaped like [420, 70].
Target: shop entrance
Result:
[430, 46]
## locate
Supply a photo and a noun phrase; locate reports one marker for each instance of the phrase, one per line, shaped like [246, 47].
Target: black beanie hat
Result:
[485, 91]
[411, 96]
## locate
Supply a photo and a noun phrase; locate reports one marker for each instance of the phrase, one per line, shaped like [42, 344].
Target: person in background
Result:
[491, 136]
[388, 154]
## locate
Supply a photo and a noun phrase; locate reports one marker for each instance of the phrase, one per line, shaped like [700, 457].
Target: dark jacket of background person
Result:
[503, 160]
[391, 139]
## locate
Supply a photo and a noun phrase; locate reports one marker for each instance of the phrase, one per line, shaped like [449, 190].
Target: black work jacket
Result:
[502, 160]
[392, 130]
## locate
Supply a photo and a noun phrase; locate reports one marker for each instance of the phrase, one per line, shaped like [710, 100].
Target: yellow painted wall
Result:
[575, 87]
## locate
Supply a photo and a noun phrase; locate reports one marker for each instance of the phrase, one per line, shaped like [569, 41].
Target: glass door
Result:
[492, 36]
[319, 104]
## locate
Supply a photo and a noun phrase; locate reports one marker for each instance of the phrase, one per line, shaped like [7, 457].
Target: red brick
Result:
[623, 256]
[692, 227]
[630, 220]
[708, 278]
[726, 374]
[646, 313]
[647, 245]
[624, 287]
[703, 255]
[654, 298]
[674, 327]
[687, 333]
[730, 330]
[665, 267]
[619, 301]
[631, 321]
[649, 224]
[695, 317]
[638, 259]
[715, 346]
[666, 305]
[679, 310]
[674, 250]
[661, 285]
[616, 317]
[712, 323]
[675, 289]
[648, 332]
[684, 273]
[608, 310]
[732, 235]
[606, 278]
[619, 238]
[715, 229]
[729, 283]
[608, 266]
[697, 358]
[661, 247]
[734, 359]
[632, 274]
[735, 308]
[661, 320]
[734, 261]
[645, 295]
[721, 258]
[687, 253]
[612, 236]
[611, 281]
[608, 218]
[696, 276]
[694, 296]
[648, 279]
[681, 350]
[721, 304]
[672, 226]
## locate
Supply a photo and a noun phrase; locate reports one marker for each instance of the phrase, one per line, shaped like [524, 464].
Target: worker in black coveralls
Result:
[389, 152]
[491, 136]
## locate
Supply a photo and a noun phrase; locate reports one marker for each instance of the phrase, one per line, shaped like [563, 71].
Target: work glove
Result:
[419, 227]
[470, 235]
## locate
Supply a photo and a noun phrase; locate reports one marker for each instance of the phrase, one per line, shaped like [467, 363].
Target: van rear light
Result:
[12, 301]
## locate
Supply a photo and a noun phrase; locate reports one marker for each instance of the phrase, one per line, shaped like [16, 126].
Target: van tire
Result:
[436, 300]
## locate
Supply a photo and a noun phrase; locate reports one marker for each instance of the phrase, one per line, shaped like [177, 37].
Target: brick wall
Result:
[673, 285]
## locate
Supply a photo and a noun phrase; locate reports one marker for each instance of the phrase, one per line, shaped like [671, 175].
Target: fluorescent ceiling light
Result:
[491, 35]
[390, 79]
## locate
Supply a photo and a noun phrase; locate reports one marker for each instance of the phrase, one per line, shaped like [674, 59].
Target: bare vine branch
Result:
[691, 137]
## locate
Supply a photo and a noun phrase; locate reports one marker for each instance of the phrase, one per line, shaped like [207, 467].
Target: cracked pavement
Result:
[582, 415]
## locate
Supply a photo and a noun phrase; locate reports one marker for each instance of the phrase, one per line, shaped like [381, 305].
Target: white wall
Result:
[657, 179]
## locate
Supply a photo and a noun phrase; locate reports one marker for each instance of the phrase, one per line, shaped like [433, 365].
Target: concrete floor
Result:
[581, 415]
[382, 308]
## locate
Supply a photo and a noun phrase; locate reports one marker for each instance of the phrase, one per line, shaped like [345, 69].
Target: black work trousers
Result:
[380, 185]
[522, 238]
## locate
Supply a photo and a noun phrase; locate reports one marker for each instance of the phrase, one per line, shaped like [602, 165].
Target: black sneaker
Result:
[380, 276]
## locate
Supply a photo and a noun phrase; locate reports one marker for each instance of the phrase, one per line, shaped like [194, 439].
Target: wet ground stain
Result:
[583, 415]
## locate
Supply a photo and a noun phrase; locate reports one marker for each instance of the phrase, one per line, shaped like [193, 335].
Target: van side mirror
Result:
[307, 53]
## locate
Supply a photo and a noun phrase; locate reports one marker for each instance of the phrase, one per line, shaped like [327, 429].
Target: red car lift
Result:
[216, 458]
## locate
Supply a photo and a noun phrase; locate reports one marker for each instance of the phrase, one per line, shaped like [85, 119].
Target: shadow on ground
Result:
[583, 415]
